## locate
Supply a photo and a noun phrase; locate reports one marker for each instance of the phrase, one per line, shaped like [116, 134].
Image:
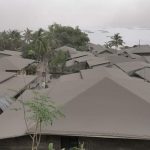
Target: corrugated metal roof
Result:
[94, 107]
[144, 73]
[6, 75]
[5, 102]
[14, 63]
[80, 54]
[131, 67]
[139, 49]
[97, 61]
[11, 53]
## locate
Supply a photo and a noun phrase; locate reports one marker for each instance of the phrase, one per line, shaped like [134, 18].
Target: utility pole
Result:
[139, 43]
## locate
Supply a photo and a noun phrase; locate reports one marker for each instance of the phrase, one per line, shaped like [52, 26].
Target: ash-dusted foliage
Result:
[10, 39]
[34, 44]
[66, 35]
[81, 147]
[42, 111]
[116, 41]
[57, 63]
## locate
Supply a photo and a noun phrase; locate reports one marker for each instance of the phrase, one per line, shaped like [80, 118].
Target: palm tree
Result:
[14, 39]
[4, 40]
[41, 48]
[116, 41]
[27, 36]
[107, 45]
[39, 44]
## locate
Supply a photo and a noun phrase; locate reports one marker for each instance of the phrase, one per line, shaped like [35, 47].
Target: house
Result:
[103, 110]
[78, 61]
[80, 54]
[15, 64]
[101, 51]
[67, 49]
[144, 74]
[147, 59]
[131, 67]
[6, 53]
[92, 61]
[142, 50]
[94, 47]
[105, 52]
[129, 54]
[97, 62]
[118, 59]
[86, 62]
[12, 85]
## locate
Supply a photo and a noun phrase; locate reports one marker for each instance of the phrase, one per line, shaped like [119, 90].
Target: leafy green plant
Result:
[42, 111]
[81, 147]
[50, 146]
[31, 70]
[57, 63]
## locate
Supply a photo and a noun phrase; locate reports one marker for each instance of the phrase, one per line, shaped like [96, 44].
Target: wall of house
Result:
[143, 54]
[24, 143]
[114, 144]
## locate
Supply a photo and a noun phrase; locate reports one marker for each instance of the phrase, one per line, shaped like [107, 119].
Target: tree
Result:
[65, 35]
[57, 63]
[27, 36]
[4, 39]
[116, 41]
[42, 111]
[107, 45]
[10, 40]
[42, 50]
[31, 69]
[14, 39]
[39, 44]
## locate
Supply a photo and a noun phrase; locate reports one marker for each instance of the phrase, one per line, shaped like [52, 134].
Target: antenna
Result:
[139, 43]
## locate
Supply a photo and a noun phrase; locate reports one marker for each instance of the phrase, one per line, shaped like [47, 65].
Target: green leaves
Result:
[10, 40]
[41, 109]
[116, 41]
[65, 35]
[81, 147]
[50, 146]
[58, 61]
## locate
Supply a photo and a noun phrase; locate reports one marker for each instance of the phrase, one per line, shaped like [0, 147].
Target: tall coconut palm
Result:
[116, 41]
[27, 35]
[39, 44]
[3, 40]
[14, 39]
[41, 49]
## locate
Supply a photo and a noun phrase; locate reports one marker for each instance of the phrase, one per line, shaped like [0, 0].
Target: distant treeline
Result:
[34, 43]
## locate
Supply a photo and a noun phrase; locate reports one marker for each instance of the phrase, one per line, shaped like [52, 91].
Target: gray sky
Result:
[85, 13]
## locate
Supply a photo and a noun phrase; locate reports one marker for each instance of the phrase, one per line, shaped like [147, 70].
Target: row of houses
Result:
[106, 104]
[104, 108]
[13, 78]
[12, 61]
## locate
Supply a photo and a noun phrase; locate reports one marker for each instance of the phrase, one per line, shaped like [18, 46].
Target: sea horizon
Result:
[130, 35]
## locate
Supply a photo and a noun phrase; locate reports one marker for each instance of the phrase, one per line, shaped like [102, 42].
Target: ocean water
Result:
[131, 36]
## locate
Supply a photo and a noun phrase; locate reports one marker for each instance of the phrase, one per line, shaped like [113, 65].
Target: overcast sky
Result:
[20, 14]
